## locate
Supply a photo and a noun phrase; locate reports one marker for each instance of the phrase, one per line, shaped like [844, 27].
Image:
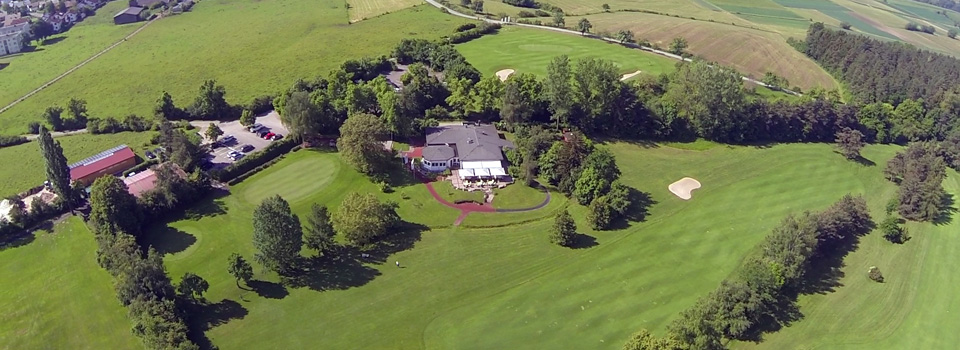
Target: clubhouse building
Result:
[475, 149]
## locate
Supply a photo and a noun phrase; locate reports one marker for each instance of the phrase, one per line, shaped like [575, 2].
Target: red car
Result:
[268, 136]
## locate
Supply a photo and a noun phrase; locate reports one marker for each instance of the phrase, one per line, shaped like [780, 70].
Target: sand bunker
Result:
[629, 75]
[503, 74]
[683, 187]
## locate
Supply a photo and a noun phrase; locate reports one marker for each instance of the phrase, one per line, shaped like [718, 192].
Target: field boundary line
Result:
[78, 66]
[611, 40]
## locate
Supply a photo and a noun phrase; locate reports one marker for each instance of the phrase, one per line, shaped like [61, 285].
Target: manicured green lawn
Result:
[517, 196]
[530, 50]
[252, 47]
[481, 288]
[23, 165]
[55, 296]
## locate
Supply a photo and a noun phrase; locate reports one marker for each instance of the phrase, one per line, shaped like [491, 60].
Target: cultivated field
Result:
[55, 296]
[278, 42]
[363, 9]
[23, 165]
[477, 288]
[530, 50]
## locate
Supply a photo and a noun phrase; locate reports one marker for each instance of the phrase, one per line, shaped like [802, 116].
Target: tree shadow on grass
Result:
[205, 316]
[269, 290]
[639, 209]
[784, 312]
[945, 216]
[170, 240]
[210, 206]
[27, 236]
[582, 241]
[348, 268]
[52, 41]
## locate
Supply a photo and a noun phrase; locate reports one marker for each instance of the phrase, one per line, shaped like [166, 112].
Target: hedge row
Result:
[7, 140]
[254, 160]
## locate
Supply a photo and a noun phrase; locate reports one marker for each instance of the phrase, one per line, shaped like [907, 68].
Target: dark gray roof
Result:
[438, 153]
[472, 142]
[130, 11]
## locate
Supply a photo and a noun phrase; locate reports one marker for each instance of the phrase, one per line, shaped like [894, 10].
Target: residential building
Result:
[109, 162]
[128, 15]
[12, 35]
[146, 180]
[466, 146]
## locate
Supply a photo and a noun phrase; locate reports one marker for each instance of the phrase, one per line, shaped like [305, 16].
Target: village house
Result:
[12, 35]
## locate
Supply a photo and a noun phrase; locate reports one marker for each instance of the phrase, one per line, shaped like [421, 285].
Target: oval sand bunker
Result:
[683, 187]
[503, 74]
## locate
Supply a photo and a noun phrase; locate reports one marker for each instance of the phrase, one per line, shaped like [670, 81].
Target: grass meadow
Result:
[24, 165]
[496, 281]
[252, 47]
[55, 296]
[364, 9]
[530, 51]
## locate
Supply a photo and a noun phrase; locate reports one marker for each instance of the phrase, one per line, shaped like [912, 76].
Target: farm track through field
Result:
[78, 66]
[569, 31]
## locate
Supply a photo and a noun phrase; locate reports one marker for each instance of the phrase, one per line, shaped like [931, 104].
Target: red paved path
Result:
[464, 208]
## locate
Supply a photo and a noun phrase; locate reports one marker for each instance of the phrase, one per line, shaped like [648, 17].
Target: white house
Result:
[11, 36]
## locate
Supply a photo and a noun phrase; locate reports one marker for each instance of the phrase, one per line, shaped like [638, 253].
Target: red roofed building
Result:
[109, 162]
[145, 181]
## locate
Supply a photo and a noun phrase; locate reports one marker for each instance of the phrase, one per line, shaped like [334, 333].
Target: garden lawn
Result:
[251, 47]
[470, 288]
[518, 196]
[24, 167]
[530, 50]
[55, 296]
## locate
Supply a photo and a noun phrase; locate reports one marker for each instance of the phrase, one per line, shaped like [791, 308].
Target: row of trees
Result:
[762, 287]
[919, 171]
[278, 236]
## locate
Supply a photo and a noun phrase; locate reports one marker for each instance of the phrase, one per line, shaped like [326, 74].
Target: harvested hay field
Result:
[749, 51]
[363, 9]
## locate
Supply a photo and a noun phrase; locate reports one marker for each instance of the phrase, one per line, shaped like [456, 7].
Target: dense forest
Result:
[878, 71]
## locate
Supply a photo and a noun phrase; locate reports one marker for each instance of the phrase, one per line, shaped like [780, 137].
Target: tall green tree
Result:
[711, 99]
[192, 286]
[247, 118]
[558, 89]
[112, 208]
[584, 26]
[678, 46]
[300, 116]
[58, 172]
[625, 36]
[213, 132]
[850, 142]
[180, 148]
[360, 143]
[564, 230]
[596, 90]
[78, 111]
[277, 235]
[319, 233]
[54, 117]
[165, 109]
[239, 268]
[210, 102]
[558, 19]
[362, 218]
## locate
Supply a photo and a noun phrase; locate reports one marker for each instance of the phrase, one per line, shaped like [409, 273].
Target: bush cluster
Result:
[8, 140]
[110, 125]
[481, 30]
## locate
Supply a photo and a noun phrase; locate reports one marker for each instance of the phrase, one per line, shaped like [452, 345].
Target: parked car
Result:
[158, 151]
[268, 136]
[263, 133]
[150, 155]
[235, 156]
[277, 136]
[247, 148]
[226, 140]
[255, 127]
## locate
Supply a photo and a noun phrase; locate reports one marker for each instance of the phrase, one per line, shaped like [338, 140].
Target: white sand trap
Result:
[503, 74]
[629, 75]
[683, 187]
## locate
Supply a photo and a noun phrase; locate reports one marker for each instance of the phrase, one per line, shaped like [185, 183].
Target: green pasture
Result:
[55, 296]
[530, 50]
[480, 288]
[930, 13]
[252, 47]
[29, 70]
[838, 12]
[23, 165]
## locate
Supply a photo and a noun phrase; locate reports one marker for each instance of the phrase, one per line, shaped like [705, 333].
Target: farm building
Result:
[109, 162]
[128, 15]
[466, 146]
[146, 180]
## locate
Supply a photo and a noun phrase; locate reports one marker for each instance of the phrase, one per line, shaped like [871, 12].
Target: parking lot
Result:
[218, 156]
